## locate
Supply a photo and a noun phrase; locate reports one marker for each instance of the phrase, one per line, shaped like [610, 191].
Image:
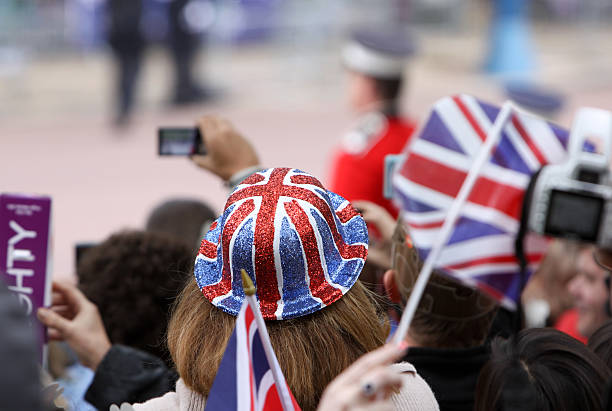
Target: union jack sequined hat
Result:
[302, 246]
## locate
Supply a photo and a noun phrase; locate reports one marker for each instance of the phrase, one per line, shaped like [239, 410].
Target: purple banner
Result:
[24, 254]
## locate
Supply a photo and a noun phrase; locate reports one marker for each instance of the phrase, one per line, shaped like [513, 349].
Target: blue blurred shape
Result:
[510, 51]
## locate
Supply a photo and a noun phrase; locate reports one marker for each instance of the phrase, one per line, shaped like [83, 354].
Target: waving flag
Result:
[480, 250]
[246, 378]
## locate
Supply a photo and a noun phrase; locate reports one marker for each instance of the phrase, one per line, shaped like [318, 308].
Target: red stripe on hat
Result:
[208, 249]
[270, 193]
[263, 241]
[347, 213]
[305, 179]
[448, 180]
[231, 225]
[319, 287]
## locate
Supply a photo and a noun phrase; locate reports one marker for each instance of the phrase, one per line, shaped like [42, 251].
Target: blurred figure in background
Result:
[185, 39]
[126, 37]
[546, 295]
[186, 220]
[375, 64]
[591, 298]
[128, 44]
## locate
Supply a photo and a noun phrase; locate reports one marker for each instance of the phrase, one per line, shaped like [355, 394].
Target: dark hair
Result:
[134, 277]
[181, 218]
[541, 369]
[601, 343]
[388, 88]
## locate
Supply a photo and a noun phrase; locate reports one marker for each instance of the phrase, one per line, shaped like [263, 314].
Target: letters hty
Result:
[24, 255]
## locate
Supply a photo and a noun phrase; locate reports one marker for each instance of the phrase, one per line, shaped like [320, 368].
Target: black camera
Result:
[177, 141]
[574, 199]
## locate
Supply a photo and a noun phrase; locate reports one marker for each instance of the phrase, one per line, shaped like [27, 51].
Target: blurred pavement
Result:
[287, 97]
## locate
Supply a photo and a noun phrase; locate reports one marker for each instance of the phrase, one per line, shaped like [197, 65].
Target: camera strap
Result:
[519, 243]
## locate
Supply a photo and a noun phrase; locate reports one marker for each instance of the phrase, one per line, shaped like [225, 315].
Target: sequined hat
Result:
[302, 245]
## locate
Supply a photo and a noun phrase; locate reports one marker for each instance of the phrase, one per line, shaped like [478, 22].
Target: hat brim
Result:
[300, 295]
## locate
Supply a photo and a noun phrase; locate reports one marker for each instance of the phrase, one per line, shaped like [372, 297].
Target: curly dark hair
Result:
[134, 277]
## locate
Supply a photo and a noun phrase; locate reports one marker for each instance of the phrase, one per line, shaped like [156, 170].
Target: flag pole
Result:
[279, 378]
[450, 220]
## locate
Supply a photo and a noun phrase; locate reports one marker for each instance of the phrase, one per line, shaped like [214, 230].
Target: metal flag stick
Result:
[450, 220]
[279, 378]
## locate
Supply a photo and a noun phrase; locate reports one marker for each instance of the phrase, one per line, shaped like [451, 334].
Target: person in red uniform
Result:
[375, 62]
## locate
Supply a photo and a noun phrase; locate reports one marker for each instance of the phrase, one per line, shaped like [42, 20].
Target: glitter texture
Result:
[303, 246]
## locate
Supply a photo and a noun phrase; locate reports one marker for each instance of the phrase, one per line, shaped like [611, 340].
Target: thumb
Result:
[53, 320]
[202, 161]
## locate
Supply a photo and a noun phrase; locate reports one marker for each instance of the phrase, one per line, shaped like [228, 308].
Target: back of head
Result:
[19, 378]
[311, 350]
[303, 247]
[134, 277]
[450, 314]
[541, 369]
[184, 219]
[601, 343]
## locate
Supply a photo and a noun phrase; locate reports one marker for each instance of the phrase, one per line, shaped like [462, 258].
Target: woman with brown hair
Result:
[304, 247]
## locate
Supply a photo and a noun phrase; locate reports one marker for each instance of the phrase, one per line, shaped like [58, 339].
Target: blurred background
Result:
[270, 66]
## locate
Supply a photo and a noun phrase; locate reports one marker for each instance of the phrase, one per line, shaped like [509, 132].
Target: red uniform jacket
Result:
[357, 171]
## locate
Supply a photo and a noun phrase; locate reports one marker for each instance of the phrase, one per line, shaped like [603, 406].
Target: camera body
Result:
[574, 199]
[179, 141]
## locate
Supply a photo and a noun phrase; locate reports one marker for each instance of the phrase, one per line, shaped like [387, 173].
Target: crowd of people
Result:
[147, 325]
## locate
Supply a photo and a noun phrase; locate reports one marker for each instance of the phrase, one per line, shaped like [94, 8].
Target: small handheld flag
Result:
[249, 376]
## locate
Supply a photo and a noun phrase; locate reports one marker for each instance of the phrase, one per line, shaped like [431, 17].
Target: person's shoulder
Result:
[400, 123]
[415, 393]
[367, 130]
[167, 402]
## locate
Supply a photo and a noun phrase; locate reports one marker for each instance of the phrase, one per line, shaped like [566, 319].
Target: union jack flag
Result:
[480, 250]
[244, 381]
[302, 245]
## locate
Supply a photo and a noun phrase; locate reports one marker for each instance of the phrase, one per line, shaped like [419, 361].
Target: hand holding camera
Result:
[227, 151]
[215, 145]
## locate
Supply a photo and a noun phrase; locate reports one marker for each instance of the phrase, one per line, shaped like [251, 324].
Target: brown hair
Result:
[449, 315]
[311, 350]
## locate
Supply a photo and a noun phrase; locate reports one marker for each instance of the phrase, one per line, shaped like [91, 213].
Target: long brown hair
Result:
[311, 350]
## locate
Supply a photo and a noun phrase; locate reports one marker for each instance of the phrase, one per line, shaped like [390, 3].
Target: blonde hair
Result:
[311, 350]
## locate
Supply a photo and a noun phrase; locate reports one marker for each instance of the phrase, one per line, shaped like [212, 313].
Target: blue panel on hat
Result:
[298, 298]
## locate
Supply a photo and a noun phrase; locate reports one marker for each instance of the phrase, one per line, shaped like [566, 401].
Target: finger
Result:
[384, 355]
[74, 297]
[53, 320]
[202, 161]
[54, 334]
[57, 299]
[384, 379]
[63, 310]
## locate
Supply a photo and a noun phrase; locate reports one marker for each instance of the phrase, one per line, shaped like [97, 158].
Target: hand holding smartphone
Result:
[180, 141]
